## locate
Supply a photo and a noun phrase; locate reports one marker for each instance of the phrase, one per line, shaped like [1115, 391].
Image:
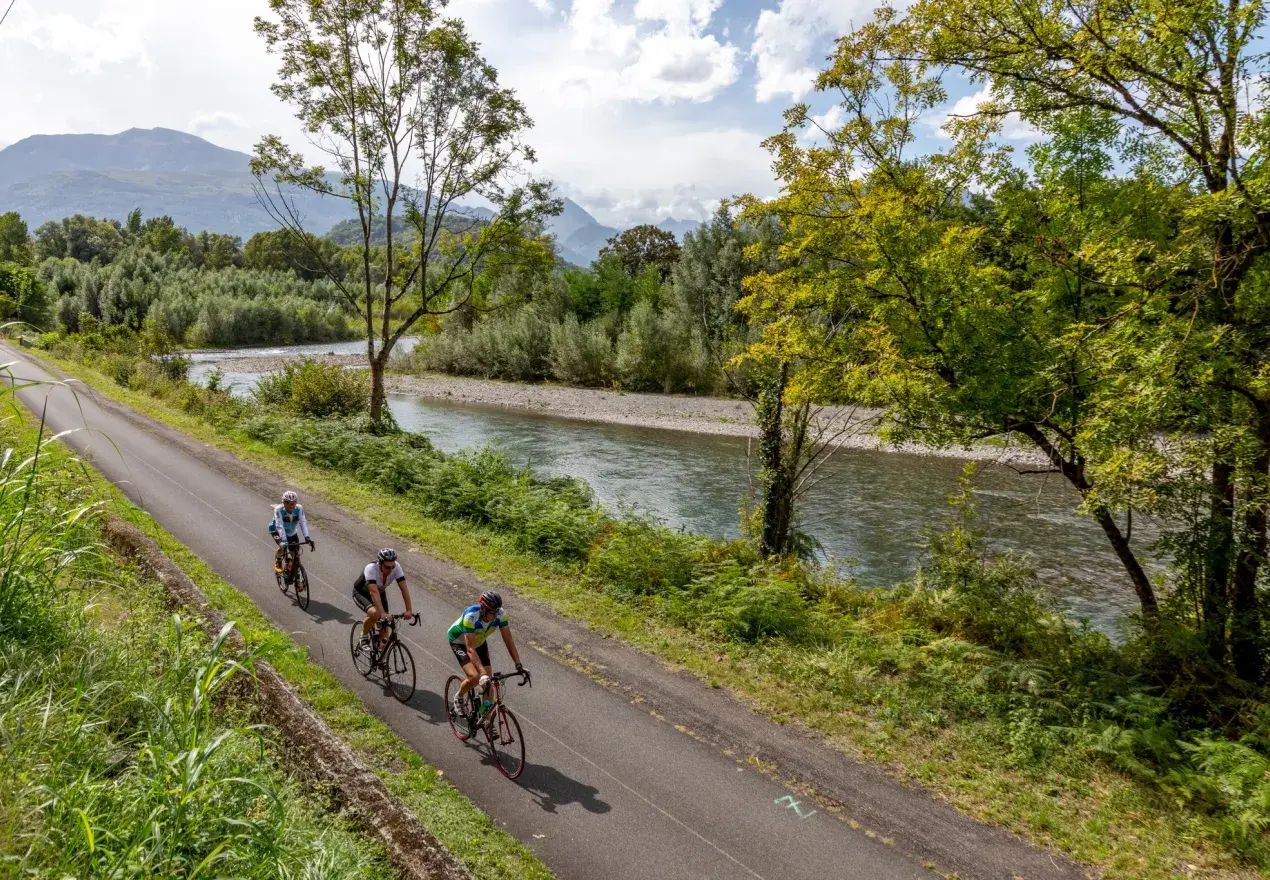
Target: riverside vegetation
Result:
[962, 675]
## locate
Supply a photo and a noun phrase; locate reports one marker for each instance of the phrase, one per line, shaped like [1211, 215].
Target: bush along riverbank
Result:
[962, 678]
[125, 751]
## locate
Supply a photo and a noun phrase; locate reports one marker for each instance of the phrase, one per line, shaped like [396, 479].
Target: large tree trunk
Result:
[778, 488]
[378, 399]
[1221, 545]
[1246, 621]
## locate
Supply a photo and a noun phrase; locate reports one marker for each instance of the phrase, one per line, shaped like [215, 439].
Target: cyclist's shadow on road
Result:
[430, 705]
[552, 789]
[325, 612]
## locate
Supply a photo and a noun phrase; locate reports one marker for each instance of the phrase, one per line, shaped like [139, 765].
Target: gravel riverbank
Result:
[847, 427]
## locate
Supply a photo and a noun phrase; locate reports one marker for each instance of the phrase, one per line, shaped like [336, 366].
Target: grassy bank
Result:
[124, 754]
[961, 680]
[133, 625]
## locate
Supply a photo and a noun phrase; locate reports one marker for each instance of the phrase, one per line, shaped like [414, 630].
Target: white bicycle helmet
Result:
[289, 496]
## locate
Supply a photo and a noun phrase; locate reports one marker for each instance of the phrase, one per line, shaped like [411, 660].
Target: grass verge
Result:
[879, 693]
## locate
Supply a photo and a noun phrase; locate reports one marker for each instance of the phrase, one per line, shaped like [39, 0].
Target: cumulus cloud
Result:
[786, 37]
[630, 207]
[217, 120]
[1013, 126]
[111, 38]
[663, 53]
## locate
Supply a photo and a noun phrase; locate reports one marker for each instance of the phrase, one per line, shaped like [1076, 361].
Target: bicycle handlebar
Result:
[523, 675]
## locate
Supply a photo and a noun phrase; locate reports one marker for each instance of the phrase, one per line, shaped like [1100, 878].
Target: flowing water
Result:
[869, 513]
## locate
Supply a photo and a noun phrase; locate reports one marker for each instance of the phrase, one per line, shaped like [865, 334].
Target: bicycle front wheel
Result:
[458, 724]
[506, 742]
[399, 667]
[361, 652]
[301, 587]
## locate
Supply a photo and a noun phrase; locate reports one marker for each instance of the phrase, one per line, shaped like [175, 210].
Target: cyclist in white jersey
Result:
[370, 591]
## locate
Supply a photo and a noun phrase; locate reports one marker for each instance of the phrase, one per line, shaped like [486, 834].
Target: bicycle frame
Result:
[291, 557]
[496, 704]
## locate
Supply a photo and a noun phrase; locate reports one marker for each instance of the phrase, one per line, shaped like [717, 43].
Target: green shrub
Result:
[119, 367]
[315, 389]
[751, 604]
[174, 367]
[638, 556]
[582, 354]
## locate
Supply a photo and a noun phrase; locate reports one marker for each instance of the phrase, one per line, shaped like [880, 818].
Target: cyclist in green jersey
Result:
[467, 641]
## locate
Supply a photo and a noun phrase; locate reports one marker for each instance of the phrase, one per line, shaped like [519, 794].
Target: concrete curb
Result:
[318, 752]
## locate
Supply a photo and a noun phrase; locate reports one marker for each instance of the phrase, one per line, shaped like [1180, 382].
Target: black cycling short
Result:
[460, 652]
[361, 595]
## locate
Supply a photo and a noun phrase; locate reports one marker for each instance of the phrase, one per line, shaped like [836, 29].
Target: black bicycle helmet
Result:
[491, 601]
[388, 555]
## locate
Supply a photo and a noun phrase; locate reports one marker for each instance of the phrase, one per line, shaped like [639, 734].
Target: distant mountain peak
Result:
[137, 149]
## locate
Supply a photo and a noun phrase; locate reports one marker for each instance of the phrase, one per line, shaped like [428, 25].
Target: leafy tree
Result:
[385, 86]
[1174, 81]
[50, 241]
[133, 226]
[162, 235]
[641, 247]
[80, 237]
[1118, 323]
[215, 250]
[22, 295]
[15, 240]
[709, 278]
[286, 250]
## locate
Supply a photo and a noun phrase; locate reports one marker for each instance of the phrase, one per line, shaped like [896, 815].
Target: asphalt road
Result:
[610, 789]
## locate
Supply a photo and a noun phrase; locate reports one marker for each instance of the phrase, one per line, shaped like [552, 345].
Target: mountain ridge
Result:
[200, 185]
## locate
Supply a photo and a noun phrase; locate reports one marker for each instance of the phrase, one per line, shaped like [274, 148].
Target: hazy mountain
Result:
[579, 236]
[200, 185]
[153, 150]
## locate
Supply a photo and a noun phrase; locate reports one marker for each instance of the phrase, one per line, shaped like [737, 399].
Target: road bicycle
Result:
[292, 574]
[393, 658]
[501, 728]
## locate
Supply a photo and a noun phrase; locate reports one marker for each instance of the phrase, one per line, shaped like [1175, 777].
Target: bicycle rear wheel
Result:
[282, 582]
[399, 668]
[361, 653]
[458, 724]
[506, 742]
[301, 587]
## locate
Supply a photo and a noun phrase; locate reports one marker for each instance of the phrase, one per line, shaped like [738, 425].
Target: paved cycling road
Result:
[610, 789]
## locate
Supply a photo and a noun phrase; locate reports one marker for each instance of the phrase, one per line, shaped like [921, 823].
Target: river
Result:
[869, 512]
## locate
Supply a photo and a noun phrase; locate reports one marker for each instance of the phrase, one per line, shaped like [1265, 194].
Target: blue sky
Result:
[643, 108]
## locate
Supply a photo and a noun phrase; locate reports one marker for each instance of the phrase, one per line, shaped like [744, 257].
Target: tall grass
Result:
[123, 753]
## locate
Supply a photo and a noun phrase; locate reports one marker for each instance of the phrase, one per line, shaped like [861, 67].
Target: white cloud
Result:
[663, 54]
[1013, 126]
[217, 120]
[622, 206]
[821, 125]
[113, 37]
[785, 37]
